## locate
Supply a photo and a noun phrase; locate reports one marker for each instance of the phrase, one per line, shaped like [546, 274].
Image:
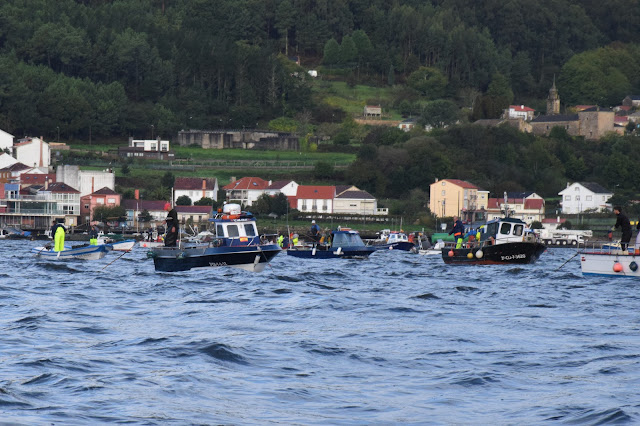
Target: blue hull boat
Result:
[345, 244]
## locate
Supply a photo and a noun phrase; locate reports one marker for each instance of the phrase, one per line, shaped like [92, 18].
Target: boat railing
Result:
[608, 247]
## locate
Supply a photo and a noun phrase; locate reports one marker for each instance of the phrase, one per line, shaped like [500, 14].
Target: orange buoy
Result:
[617, 267]
[450, 253]
[470, 255]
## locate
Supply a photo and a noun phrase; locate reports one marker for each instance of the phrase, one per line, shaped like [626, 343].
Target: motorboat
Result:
[502, 241]
[236, 244]
[392, 240]
[611, 263]
[84, 252]
[344, 243]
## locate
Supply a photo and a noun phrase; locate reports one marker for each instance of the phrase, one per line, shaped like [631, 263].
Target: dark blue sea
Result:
[395, 339]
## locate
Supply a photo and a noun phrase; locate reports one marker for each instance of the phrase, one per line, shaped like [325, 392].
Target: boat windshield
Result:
[347, 239]
[250, 230]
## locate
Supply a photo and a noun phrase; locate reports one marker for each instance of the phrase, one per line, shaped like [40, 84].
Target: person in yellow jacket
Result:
[280, 240]
[57, 233]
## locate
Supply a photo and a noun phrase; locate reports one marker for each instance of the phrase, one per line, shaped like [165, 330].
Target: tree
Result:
[331, 52]
[145, 216]
[183, 200]
[440, 113]
[429, 82]
[168, 179]
[348, 51]
[204, 201]
[105, 213]
[125, 169]
[323, 170]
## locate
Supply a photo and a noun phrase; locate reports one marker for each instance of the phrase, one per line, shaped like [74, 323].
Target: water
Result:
[398, 338]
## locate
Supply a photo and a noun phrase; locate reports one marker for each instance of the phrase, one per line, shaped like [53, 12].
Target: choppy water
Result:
[398, 338]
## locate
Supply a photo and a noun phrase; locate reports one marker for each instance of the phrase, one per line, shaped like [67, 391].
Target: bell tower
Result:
[553, 100]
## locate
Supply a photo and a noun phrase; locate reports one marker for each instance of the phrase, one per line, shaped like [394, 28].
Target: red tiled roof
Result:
[315, 192]
[529, 203]
[193, 183]
[247, 183]
[521, 108]
[461, 183]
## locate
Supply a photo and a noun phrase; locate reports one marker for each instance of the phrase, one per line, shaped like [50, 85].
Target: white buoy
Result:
[479, 254]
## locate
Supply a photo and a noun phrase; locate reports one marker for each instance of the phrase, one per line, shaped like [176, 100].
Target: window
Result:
[86, 206]
[111, 200]
[314, 205]
[577, 189]
[443, 193]
[232, 231]
[250, 230]
[589, 197]
[518, 229]
[219, 231]
[567, 197]
[99, 200]
[577, 198]
[505, 228]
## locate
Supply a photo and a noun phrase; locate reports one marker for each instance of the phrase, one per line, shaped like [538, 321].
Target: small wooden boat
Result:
[503, 241]
[236, 244]
[124, 245]
[85, 252]
[611, 263]
[345, 243]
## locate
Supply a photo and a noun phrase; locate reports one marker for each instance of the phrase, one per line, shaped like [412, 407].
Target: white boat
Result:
[84, 252]
[151, 244]
[436, 250]
[614, 263]
[124, 245]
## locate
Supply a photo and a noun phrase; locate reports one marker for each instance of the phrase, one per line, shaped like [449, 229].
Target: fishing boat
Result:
[502, 241]
[123, 245]
[345, 243]
[392, 240]
[611, 263]
[84, 252]
[236, 244]
[436, 250]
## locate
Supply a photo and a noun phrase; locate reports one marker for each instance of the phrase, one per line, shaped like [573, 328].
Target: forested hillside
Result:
[113, 68]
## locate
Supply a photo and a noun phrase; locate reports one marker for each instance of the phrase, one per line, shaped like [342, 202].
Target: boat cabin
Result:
[396, 237]
[235, 225]
[504, 230]
[346, 238]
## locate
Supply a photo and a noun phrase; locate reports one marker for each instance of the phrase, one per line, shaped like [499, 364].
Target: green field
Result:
[353, 99]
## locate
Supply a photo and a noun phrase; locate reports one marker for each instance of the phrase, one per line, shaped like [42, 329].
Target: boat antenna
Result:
[506, 205]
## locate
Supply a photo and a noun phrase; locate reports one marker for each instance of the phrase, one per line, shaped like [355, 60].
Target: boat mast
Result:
[506, 205]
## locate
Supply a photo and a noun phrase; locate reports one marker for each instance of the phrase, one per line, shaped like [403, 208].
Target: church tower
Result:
[553, 101]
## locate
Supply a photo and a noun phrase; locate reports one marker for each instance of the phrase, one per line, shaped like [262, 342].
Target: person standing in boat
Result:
[171, 223]
[315, 231]
[625, 227]
[57, 233]
[457, 231]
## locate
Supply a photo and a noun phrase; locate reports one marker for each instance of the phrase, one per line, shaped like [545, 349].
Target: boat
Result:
[236, 244]
[84, 252]
[115, 245]
[392, 240]
[151, 244]
[436, 250]
[610, 262]
[345, 243]
[503, 241]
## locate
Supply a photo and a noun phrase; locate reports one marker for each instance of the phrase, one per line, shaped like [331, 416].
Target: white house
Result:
[33, 152]
[6, 141]
[408, 124]
[149, 144]
[579, 197]
[87, 181]
[196, 188]
[315, 198]
[286, 187]
[246, 190]
[355, 201]
[520, 111]
[6, 160]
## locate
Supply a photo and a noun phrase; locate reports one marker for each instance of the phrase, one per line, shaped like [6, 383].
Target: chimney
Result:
[436, 180]
[41, 165]
[137, 194]
[521, 106]
[92, 183]
[204, 187]
[233, 179]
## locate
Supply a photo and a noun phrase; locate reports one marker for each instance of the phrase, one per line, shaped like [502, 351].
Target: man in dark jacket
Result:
[625, 227]
[457, 231]
[171, 236]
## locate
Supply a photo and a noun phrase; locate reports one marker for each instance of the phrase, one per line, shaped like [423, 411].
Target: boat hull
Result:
[401, 245]
[126, 245]
[84, 253]
[603, 264]
[506, 253]
[332, 253]
[250, 258]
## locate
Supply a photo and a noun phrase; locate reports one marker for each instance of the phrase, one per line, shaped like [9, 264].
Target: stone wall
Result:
[239, 139]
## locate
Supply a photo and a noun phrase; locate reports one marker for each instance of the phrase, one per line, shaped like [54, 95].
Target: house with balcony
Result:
[195, 188]
[455, 197]
[104, 197]
[246, 190]
[579, 197]
[527, 206]
[315, 198]
[67, 199]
